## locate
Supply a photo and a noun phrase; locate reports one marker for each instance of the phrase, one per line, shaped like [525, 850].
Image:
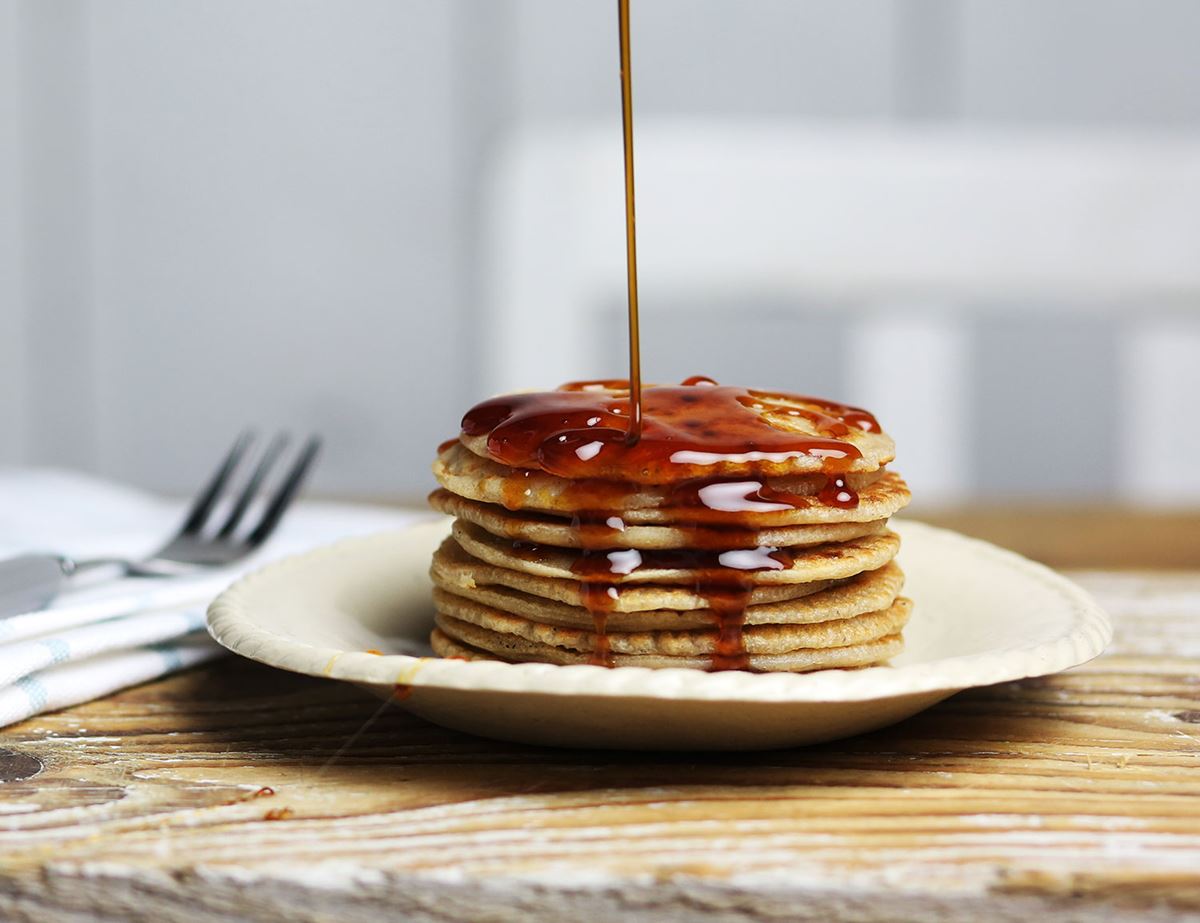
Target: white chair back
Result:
[1022, 310]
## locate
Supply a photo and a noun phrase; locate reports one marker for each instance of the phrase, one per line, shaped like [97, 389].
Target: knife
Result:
[29, 582]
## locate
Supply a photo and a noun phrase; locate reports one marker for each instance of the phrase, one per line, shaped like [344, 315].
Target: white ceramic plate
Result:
[982, 615]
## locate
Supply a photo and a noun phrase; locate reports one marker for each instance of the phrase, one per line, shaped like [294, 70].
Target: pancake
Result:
[773, 415]
[475, 642]
[821, 562]
[542, 529]
[880, 494]
[455, 570]
[867, 592]
[757, 639]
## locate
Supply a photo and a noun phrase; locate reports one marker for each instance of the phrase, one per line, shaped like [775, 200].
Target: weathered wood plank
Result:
[1075, 796]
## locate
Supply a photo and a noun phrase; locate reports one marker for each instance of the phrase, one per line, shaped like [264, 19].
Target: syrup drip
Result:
[513, 490]
[735, 498]
[837, 492]
[633, 430]
[724, 579]
[595, 569]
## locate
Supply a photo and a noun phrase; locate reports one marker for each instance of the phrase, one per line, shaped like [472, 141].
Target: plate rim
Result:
[231, 625]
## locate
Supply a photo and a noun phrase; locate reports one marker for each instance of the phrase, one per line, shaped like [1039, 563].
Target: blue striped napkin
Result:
[95, 640]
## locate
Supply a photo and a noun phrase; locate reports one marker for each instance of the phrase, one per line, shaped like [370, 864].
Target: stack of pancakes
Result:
[771, 572]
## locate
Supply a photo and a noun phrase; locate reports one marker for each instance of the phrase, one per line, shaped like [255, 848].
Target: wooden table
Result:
[239, 793]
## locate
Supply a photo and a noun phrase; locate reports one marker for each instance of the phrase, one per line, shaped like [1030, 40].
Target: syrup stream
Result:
[634, 430]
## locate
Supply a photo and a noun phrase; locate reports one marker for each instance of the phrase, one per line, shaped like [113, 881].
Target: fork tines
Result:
[202, 515]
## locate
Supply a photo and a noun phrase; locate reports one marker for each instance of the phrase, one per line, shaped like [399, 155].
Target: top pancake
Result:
[695, 430]
[462, 472]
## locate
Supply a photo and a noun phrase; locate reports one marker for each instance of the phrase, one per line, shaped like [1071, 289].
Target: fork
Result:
[29, 582]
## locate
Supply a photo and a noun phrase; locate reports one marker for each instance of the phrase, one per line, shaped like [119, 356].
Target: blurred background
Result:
[979, 219]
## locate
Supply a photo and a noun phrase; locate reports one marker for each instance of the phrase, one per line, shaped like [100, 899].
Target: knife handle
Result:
[29, 582]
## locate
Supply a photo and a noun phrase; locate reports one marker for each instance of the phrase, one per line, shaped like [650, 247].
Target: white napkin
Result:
[99, 638]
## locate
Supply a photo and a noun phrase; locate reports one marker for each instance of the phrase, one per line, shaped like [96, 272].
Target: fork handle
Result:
[30, 581]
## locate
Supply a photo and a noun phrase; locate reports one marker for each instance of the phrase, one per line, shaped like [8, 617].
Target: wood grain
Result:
[1076, 797]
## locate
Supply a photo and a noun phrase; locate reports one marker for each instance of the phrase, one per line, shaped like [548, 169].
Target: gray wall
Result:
[221, 213]
[12, 313]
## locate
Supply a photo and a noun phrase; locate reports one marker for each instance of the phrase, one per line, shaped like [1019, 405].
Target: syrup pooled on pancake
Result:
[579, 431]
